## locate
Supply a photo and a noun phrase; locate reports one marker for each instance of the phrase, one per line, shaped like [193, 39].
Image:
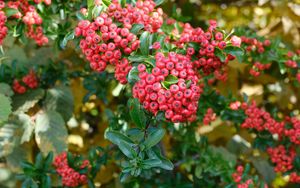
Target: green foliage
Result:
[137, 113]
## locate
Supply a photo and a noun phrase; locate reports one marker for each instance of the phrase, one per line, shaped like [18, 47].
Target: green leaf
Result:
[161, 40]
[158, 2]
[5, 108]
[69, 36]
[156, 154]
[22, 103]
[154, 137]
[90, 3]
[6, 90]
[127, 149]
[80, 16]
[137, 113]
[133, 75]
[151, 163]
[136, 28]
[51, 132]
[138, 58]
[39, 161]
[60, 99]
[235, 51]
[135, 134]
[169, 80]
[10, 11]
[106, 2]
[145, 43]
[48, 160]
[116, 137]
[122, 3]
[124, 177]
[282, 67]
[219, 53]
[96, 11]
[198, 171]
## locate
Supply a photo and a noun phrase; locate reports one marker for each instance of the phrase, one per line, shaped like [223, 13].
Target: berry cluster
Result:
[238, 178]
[294, 177]
[282, 158]
[30, 18]
[209, 116]
[208, 41]
[144, 13]
[70, 177]
[108, 38]
[254, 45]
[29, 81]
[104, 42]
[122, 69]
[179, 99]
[258, 67]
[3, 18]
[293, 130]
[261, 120]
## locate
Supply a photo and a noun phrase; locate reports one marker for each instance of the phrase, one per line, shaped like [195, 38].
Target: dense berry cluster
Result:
[3, 18]
[70, 177]
[144, 13]
[29, 81]
[104, 42]
[209, 116]
[282, 158]
[258, 67]
[241, 180]
[261, 120]
[293, 129]
[30, 17]
[107, 39]
[254, 45]
[207, 41]
[294, 177]
[156, 91]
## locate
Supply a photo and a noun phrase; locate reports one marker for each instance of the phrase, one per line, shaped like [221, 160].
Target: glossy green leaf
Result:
[69, 36]
[145, 43]
[154, 137]
[10, 11]
[151, 163]
[169, 80]
[219, 53]
[116, 137]
[127, 149]
[136, 28]
[158, 2]
[137, 113]
[235, 51]
[133, 75]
